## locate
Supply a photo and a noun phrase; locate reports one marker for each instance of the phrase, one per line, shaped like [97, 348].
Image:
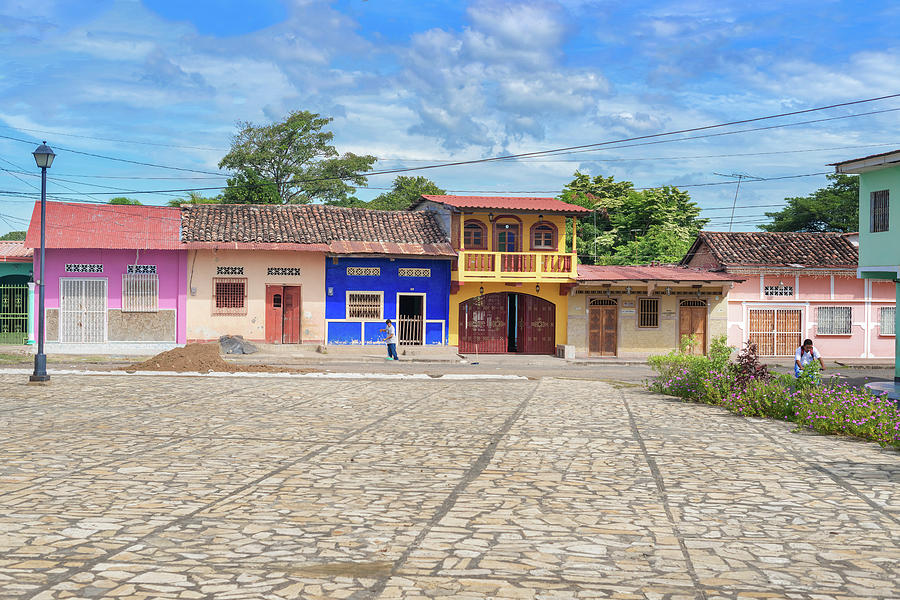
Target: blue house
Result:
[361, 292]
[395, 265]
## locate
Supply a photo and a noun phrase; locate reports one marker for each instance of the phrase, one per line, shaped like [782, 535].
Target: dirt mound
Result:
[201, 358]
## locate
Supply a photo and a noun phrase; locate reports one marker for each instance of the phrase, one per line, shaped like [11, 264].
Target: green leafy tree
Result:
[123, 200]
[296, 156]
[405, 192]
[247, 187]
[629, 226]
[13, 235]
[195, 198]
[832, 208]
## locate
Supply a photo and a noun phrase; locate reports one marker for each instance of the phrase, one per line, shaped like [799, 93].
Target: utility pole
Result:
[740, 177]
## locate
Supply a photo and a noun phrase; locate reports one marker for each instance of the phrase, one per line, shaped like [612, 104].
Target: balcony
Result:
[478, 265]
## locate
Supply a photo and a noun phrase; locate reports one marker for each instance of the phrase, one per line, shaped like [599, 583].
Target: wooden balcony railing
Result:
[516, 266]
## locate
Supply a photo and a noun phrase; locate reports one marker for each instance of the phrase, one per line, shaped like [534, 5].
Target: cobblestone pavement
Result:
[157, 487]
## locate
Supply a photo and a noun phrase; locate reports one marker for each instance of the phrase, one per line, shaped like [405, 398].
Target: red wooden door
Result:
[291, 315]
[482, 324]
[540, 325]
[274, 313]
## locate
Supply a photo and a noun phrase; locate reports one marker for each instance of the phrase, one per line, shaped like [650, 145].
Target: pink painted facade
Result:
[171, 269]
[864, 300]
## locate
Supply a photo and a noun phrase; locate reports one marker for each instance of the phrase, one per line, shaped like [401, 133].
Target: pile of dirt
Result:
[201, 358]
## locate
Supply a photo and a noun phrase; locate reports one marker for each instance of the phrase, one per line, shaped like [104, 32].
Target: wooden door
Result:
[692, 321]
[274, 313]
[540, 325]
[482, 324]
[291, 315]
[603, 330]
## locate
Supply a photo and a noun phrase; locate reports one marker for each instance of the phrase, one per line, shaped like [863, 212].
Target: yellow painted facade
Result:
[639, 342]
[543, 281]
[204, 325]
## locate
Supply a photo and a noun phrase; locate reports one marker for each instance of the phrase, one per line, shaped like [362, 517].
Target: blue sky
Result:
[415, 83]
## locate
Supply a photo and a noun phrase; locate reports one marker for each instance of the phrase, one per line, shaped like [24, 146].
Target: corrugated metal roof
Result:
[588, 273]
[15, 251]
[113, 226]
[515, 203]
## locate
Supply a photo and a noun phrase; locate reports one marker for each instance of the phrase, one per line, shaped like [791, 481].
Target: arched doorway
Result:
[507, 322]
[603, 325]
[692, 322]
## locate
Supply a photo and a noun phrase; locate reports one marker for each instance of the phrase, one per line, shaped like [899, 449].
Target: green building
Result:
[879, 232]
[16, 293]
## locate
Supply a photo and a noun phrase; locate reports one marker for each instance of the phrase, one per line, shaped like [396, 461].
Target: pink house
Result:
[116, 277]
[798, 286]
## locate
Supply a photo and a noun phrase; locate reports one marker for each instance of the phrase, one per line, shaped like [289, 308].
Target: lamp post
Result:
[43, 156]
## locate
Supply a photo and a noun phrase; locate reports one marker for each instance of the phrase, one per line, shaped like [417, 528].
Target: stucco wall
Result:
[638, 342]
[202, 264]
[880, 249]
[171, 273]
[337, 283]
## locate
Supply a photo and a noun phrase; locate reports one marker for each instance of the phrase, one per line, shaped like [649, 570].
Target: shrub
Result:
[850, 411]
[748, 368]
[761, 398]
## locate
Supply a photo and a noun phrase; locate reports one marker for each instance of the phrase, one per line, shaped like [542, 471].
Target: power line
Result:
[103, 139]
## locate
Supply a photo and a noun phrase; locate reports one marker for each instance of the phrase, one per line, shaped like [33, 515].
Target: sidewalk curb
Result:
[446, 376]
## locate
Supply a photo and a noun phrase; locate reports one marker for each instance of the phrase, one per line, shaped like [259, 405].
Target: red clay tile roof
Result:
[588, 273]
[791, 249]
[114, 226]
[339, 230]
[521, 204]
[15, 251]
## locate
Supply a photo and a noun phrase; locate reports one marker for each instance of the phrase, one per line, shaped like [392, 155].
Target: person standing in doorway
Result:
[390, 337]
[806, 354]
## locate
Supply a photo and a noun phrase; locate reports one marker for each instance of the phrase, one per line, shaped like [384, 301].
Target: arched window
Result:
[475, 236]
[543, 237]
[507, 234]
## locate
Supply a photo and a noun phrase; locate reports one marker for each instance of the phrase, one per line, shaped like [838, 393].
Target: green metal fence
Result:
[13, 314]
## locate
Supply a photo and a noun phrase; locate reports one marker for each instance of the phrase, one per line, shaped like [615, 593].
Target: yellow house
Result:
[510, 284]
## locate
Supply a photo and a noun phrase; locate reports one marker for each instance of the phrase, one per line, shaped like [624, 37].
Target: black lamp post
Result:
[43, 156]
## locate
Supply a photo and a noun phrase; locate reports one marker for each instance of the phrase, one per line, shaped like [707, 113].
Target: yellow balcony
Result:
[478, 265]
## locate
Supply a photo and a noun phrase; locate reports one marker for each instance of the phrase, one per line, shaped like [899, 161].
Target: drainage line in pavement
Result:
[663, 496]
[470, 475]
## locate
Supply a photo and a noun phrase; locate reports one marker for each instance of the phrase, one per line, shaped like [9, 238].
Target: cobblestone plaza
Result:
[145, 487]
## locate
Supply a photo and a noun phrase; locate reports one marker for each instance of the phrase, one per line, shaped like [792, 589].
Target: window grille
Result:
[776, 332]
[648, 312]
[692, 303]
[779, 290]
[880, 208]
[230, 296]
[542, 237]
[603, 302]
[403, 272]
[83, 268]
[364, 305]
[833, 320]
[283, 271]
[364, 271]
[140, 292]
[141, 269]
[888, 320]
[82, 310]
[229, 270]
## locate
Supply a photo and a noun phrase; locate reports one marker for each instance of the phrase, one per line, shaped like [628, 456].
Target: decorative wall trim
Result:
[413, 272]
[293, 271]
[364, 271]
[229, 270]
[141, 269]
[83, 268]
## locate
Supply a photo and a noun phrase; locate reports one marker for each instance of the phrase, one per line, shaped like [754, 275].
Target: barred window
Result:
[648, 312]
[230, 296]
[364, 305]
[880, 209]
[886, 325]
[140, 292]
[833, 320]
[779, 290]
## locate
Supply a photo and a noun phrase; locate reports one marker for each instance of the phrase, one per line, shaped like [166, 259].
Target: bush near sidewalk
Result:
[745, 387]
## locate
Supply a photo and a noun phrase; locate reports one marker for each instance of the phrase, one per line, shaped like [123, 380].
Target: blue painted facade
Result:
[344, 275]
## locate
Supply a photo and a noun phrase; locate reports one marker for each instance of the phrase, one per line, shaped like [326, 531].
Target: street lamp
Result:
[43, 156]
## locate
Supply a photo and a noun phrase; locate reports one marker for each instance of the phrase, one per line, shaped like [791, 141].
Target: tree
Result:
[195, 198]
[296, 156]
[13, 235]
[247, 187]
[124, 200]
[630, 226]
[832, 208]
[405, 192]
